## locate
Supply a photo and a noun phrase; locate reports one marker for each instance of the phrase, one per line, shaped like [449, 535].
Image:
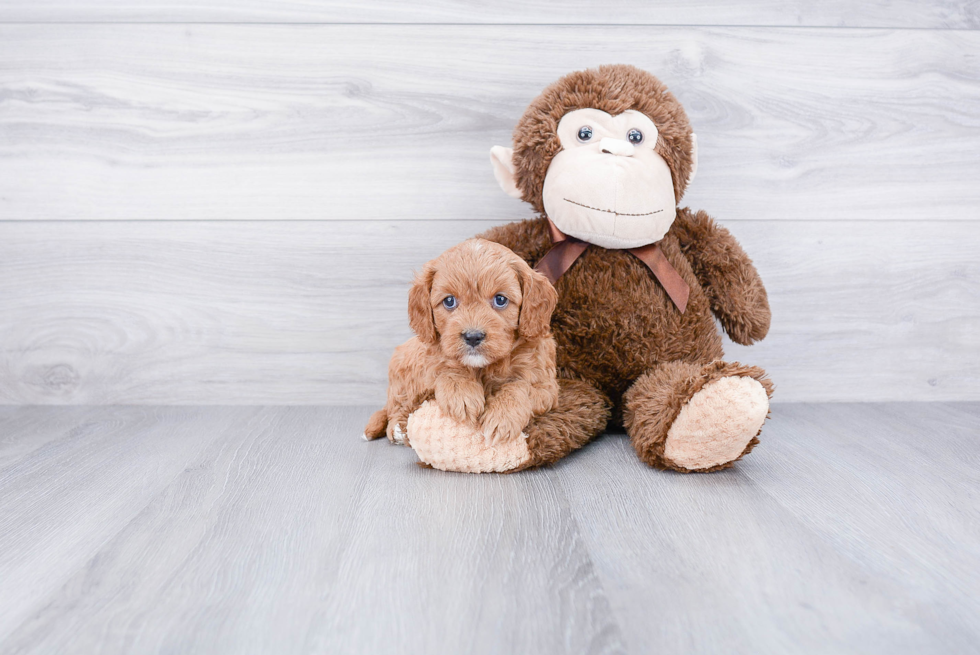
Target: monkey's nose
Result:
[474, 338]
[619, 147]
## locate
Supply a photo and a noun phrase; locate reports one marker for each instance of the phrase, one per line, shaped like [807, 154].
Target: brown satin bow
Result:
[567, 249]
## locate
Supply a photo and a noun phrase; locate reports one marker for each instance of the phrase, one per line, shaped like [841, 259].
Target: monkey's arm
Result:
[733, 285]
[529, 239]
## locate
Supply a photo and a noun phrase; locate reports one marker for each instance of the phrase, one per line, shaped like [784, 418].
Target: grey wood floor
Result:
[852, 528]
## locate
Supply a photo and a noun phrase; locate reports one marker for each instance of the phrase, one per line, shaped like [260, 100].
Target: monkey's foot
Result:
[716, 425]
[689, 417]
[448, 445]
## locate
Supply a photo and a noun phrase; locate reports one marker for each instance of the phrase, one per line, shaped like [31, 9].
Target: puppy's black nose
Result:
[474, 338]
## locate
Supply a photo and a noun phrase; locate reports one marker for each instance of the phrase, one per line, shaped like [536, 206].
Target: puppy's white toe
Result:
[399, 435]
[365, 437]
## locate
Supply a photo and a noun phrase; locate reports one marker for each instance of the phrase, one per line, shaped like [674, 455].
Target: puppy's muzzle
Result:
[474, 338]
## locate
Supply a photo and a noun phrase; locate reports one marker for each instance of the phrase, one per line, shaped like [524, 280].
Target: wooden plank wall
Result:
[224, 202]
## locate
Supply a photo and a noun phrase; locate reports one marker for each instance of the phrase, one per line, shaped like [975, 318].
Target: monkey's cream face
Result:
[608, 185]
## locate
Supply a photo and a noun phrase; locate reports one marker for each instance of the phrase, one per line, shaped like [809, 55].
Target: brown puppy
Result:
[483, 348]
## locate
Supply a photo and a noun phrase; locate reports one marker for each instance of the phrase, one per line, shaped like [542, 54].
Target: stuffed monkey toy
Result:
[604, 156]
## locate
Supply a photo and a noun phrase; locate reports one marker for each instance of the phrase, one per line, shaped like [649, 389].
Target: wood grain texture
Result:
[836, 534]
[61, 503]
[288, 534]
[266, 122]
[909, 453]
[850, 529]
[509, 547]
[24, 430]
[962, 14]
[309, 312]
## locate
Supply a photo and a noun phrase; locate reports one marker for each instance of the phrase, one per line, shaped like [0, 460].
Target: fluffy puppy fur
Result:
[483, 363]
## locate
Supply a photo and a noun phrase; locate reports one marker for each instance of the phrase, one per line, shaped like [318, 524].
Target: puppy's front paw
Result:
[500, 426]
[397, 432]
[463, 403]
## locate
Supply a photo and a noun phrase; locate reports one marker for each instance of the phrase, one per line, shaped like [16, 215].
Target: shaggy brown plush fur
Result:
[617, 331]
[654, 401]
[581, 413]
[498, 384]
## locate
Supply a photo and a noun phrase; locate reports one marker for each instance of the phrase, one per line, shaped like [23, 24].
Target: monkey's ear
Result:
[503, 169]
[537, 304]
[420, 317]
[694, 157]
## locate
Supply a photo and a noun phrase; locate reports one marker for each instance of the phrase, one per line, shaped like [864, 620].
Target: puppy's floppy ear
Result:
[539, 302]
[420, 317]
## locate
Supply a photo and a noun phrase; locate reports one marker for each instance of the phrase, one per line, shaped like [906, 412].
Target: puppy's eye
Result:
[635, 136]
[584, 133]
[500, 301]
[449, 302]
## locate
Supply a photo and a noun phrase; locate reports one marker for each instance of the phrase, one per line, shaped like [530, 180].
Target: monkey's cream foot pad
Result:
[445, 444]
[717, 423]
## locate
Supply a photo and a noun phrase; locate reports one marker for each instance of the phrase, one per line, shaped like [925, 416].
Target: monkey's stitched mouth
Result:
[610, 211]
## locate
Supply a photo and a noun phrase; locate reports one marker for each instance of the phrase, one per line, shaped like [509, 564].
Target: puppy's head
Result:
[476, 300]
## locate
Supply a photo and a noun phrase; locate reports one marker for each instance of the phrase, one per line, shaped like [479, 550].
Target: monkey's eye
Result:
[635, 136]
[500, 301]
[584, 133]
[449, 302]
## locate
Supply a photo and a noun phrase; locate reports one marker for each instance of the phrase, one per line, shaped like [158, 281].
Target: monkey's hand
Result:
[462, 399]
[726, 274]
